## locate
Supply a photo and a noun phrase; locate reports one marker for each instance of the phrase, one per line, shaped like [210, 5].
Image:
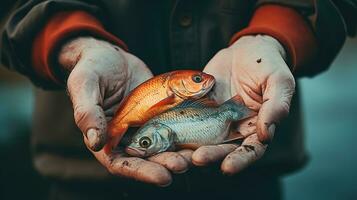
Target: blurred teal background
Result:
[330, 116]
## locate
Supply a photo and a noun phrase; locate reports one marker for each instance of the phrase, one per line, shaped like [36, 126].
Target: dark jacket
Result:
[155, 33]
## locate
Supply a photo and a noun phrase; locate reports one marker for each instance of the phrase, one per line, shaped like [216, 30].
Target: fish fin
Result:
[137, 124]
[111, 144]
[208, 102]
[161, 106]
[198, 103]
[116, 133]
[191, 146]
[107, 149]
[117, 130]
[237, 104]
[233, 137]
[118, 116]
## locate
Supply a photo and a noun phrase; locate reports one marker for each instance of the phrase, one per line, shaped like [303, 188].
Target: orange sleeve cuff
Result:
[58, 28]
[288, 27]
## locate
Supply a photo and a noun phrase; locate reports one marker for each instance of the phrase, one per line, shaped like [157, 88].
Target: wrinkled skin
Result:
[146, 100]
[253, 68]
[101, 74]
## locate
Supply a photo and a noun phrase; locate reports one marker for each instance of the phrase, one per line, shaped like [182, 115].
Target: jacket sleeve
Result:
[348, 10]
[329, 21]
[288, 27]
[61, 27]
[25, 23]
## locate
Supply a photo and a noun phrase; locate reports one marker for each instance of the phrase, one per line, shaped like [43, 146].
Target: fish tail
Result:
[116, 132]
[111, 144]
[108, 148]
[236, 106]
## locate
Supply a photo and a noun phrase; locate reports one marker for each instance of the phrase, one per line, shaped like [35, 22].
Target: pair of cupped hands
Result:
[253, 68]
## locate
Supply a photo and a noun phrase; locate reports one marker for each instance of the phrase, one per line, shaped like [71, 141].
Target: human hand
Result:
[101, 74]
[253, 69]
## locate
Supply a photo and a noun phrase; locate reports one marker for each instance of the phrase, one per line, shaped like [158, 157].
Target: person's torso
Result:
[170, 35]
[166, 35]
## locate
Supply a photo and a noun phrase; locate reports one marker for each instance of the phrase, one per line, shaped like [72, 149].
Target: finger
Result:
[276, 104]
[141, 170]
[250, 151]
[134, 168]
[172, 161]
[187, 154]
[206, 155]
[83, 88]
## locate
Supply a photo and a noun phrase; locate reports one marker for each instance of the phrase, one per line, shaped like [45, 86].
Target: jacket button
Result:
[185, 20]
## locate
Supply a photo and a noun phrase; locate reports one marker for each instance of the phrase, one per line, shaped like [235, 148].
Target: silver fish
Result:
[188, 125]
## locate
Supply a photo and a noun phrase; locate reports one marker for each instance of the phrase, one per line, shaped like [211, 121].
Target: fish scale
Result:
[187, 125]
[155, 96]
[206, 125]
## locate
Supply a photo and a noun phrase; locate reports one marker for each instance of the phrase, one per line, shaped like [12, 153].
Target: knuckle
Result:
[284, 77]
[290, 81]
[204, 155]
[222, 52]
[81, 114]
[89, 116]
[284, 108]
[78, 74]
[110, 166]
[136, 61]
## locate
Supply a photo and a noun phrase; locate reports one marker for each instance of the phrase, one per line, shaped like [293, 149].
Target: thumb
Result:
[276, 104]
[83, 88]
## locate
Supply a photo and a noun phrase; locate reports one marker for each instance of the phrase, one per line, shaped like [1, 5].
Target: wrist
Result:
[74, 50]
[289, 27]
[61, 27]
[274, 44]
[265, 43]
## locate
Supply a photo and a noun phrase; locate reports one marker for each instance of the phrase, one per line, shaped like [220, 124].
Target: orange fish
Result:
[155, 96]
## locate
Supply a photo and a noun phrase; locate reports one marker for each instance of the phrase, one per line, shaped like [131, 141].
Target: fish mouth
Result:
[208, 85]
[134, 152]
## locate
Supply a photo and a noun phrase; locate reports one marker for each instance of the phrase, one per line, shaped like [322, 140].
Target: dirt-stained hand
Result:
[254, 69]
[101, 74]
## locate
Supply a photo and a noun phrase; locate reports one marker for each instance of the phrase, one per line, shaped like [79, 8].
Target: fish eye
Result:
[197, 78]
[144, 142]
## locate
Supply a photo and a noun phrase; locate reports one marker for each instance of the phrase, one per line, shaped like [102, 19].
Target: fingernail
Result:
[271, 131]
[92, 136]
